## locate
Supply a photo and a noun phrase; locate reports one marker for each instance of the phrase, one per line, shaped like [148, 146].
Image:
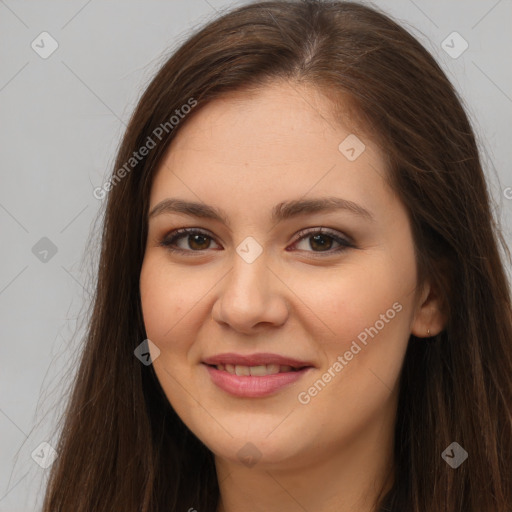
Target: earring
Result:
[428, 333]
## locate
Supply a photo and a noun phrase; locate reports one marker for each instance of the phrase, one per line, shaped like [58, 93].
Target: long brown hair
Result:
[123, 448]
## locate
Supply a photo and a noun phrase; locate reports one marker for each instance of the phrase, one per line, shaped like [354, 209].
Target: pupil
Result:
[194, 239]
[322, 245]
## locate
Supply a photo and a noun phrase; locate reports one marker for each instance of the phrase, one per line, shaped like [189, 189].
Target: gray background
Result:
[61, 121]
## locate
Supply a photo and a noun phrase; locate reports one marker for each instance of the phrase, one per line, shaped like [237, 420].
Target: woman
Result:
[301, 303]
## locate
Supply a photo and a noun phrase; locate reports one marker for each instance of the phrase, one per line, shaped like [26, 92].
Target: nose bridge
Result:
[251, 293]
[249, 272]
[248, 281]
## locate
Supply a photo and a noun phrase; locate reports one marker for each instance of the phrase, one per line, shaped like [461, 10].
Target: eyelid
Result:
[343, 240]
[176, 234]
[337, 235]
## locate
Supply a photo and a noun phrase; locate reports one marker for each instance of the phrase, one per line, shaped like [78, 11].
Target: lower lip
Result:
[249, 386]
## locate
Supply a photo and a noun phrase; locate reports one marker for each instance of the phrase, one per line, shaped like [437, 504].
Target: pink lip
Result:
[255, 360]
[249, 386]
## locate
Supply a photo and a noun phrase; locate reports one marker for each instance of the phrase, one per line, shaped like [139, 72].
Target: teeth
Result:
[256, 371]
[272, 368]
[242, 370]
[260, 371]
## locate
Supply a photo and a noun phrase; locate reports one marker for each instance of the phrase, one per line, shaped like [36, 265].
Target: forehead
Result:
[276, 143]
[280, 115]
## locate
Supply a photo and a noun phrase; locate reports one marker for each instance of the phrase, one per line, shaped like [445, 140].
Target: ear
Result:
[429, 318]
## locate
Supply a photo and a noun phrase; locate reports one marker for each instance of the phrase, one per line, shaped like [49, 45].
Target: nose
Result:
[251, 297]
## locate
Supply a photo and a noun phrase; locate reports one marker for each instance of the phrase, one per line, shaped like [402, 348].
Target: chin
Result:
[263, 445]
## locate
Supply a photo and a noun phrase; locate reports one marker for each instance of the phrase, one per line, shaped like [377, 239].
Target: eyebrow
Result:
[280, 212]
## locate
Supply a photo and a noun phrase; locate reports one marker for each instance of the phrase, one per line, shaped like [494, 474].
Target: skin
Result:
[245, 153]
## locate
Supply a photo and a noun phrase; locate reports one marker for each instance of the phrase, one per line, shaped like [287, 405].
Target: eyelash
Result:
[174, 236]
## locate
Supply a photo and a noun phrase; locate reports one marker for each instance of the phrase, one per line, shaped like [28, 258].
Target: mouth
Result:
[256, 371]
[255, 376]
[259, 363]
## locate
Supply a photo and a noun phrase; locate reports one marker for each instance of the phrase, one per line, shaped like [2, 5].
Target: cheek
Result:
[352, 299]
[162, 306]
[367, 311]
[166, 307]
[173, 303]
[362, 312]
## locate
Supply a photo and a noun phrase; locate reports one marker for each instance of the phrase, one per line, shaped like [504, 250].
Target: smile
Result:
[255, 371]
[254, 381]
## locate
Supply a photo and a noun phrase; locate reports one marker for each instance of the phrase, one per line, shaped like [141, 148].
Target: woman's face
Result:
[259, 281]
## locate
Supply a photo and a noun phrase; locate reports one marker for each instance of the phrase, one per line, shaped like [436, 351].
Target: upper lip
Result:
[255, 360]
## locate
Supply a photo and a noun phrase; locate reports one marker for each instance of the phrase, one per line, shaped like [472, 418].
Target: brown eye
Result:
[194, 240]
[318, 240]
[321, 240]
[198, 242]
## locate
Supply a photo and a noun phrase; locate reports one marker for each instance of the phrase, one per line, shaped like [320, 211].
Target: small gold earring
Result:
[428, 332]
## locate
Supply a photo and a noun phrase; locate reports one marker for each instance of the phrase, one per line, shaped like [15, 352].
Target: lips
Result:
[254, 360]
[255, 371]
[256, 375]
